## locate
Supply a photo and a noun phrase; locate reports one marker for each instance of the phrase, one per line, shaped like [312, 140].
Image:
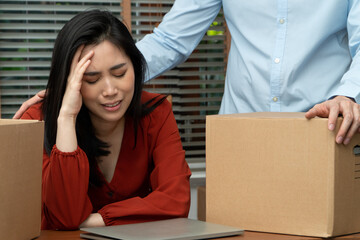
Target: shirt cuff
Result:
[55, 150]
[352, 99]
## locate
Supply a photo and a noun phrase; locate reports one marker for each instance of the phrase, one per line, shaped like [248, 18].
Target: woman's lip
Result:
[112, 106]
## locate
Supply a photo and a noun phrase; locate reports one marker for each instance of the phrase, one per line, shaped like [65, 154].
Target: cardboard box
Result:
[281, 173]
[21, 150]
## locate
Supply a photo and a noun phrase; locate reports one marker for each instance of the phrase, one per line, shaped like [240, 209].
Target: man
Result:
[286, 55]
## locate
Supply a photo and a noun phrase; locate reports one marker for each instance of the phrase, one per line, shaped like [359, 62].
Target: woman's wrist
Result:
[66, 140]
[94, 220]
[65, 116]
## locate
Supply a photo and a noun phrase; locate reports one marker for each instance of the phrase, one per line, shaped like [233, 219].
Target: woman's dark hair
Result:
[90, 28]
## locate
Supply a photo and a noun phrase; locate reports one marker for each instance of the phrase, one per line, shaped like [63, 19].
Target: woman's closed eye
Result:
[119, 74]
[90, 80]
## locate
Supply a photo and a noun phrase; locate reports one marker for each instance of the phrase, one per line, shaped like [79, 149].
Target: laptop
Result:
[172, 229]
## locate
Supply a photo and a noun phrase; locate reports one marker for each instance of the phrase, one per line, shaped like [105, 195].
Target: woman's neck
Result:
[111, 133]
[105, 131]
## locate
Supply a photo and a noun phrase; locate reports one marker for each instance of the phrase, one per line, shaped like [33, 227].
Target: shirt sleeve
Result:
[350, 82]
[170, 196]
[178, 34]
[64, 189]
[65, 178]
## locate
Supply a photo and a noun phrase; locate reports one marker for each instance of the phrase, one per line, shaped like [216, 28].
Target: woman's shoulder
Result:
[146, 96]
[150, 99]
[34, 112]
[162, 110]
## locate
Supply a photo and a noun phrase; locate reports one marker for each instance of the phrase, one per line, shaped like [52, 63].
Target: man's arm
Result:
[350, 86]
[178, 34]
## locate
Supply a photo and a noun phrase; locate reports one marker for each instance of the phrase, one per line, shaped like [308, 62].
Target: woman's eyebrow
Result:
[117, 66]
[91, 73]
[111, 69]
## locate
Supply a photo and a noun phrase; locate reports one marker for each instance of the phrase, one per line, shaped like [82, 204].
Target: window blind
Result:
[27, 33]
[196, 86]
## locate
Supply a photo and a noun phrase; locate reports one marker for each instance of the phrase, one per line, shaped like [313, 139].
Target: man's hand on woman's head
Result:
[28, 103]
[331, 109]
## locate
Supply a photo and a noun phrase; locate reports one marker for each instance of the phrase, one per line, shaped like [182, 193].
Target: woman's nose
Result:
[109, 88]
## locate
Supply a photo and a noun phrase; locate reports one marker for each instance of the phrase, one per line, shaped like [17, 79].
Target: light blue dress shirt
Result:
[285, 56]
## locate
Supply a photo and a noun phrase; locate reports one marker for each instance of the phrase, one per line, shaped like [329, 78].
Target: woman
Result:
[112, 152]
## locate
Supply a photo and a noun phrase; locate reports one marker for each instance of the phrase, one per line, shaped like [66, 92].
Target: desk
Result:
[75, 235]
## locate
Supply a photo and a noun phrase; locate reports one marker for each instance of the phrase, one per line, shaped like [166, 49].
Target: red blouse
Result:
[151, 181]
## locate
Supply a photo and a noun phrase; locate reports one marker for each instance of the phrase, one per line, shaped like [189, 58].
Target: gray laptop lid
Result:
[178, 228]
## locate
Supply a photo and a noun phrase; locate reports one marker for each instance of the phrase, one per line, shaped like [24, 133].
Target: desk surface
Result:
[75, 235]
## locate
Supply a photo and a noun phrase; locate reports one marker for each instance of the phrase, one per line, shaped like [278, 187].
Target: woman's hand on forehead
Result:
[72, 100]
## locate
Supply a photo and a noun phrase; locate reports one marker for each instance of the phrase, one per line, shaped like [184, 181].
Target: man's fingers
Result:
[35, 99]
[315, 111]
[333, 115]
[320, 110]
[311, 113]
[331, 109]
[41, 94]
[346, 109]
[355, 124]
[20, 111]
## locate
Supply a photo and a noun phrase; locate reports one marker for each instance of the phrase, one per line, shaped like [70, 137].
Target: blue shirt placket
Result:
[277, 59]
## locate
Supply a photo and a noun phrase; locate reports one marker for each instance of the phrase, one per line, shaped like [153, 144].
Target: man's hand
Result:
[35, 99]
[331, 109]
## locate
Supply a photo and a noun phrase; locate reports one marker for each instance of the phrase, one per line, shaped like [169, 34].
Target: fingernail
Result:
[339, 139]
[346, 141]
[331, 126]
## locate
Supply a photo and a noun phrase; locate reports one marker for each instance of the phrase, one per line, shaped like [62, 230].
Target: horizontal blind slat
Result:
[150, 9]
[53, 7]
[187, 82]
[30, 45]
[30, 26]
[36, 17]
[19, 83]
[10, 54]
[138, 36]
[154, 1]
[25, 64]
[73, 1]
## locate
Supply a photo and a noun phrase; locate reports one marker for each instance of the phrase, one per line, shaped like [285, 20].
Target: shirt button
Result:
[282, 21]
[275, 99]
[110, 194]
[277, 60]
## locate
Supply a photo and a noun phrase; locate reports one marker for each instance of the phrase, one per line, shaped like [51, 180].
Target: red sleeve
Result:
[65, 178]
[169, 179]
[64, 189]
